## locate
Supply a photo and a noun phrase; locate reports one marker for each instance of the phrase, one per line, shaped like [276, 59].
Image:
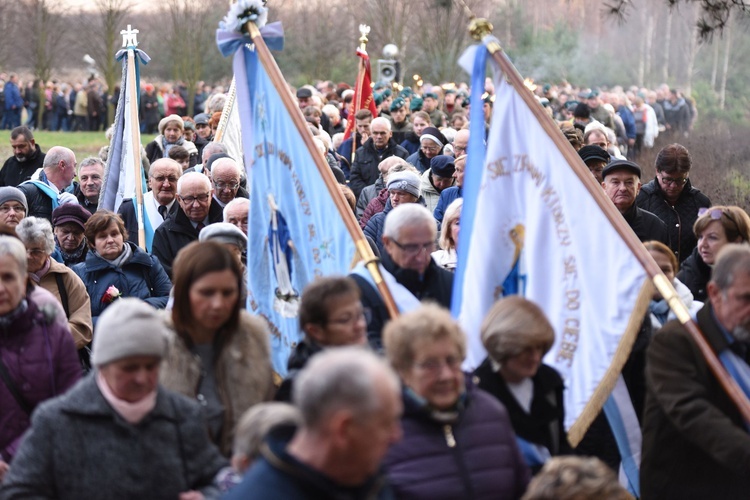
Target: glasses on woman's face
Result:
[433, 366]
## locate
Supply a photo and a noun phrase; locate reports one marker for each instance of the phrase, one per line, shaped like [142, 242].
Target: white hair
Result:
[36, 230]
[408, 215]
[341, 378]
[192, 175]
[13, 248]
[234, 203]
[382, 121]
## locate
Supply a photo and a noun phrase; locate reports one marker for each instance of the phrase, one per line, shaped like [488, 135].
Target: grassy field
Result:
[83, 144]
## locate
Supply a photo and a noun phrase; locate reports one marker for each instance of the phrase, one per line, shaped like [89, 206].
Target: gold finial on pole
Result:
[364, 30]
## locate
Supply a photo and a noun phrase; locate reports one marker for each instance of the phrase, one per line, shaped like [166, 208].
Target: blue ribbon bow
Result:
[145, 59]
[230, 42]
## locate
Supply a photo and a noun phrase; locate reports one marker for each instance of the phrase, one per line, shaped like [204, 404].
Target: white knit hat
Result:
[129, 327]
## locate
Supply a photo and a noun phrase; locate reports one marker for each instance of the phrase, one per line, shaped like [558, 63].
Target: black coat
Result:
[14, 172]
[301, 354]
[366, 160]
[177, 232]
[544, 425]
[127, 213]
[695, 274]
[678, 218]
[646, 226]
[40, 205]
[437, 286]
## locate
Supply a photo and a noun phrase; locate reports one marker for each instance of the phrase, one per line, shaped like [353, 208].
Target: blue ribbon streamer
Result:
[476, 154]
[229, 42]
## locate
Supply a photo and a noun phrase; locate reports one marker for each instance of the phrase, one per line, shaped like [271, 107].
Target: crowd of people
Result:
[132, 368]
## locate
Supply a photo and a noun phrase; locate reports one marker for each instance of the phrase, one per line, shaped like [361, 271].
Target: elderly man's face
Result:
[622, 187]
[132, 379]
[163, 181]
[11, 213]
[460, 143]
[441, 183]
[413, 247]
[370, 438]
[237, 216]
[91, 179]
[22, 148]
[458, 174]
[195, 199]
[381, 134]
[732, 306]
[226, 181]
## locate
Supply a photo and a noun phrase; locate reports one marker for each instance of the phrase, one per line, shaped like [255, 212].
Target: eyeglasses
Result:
[16, 208]
[672, 181]
[431, 149]
[349, 319]
[35, 252]
[434, 365]
[189, 200]
[171, 179]
[412, 249]
[716, 213]
[225, 185]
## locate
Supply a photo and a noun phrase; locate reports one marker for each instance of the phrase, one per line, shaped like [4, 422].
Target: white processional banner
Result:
[530, 223]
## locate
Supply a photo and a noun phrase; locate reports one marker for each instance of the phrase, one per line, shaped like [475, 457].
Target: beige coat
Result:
[243, 372]
[79, 304]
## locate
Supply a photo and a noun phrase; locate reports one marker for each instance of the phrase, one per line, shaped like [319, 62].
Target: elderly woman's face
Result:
[132, 379]
[12, 284]
[69, 235]
[172, 133]
[109, 242]
[36, 255]
[436, 373]
[11, 213]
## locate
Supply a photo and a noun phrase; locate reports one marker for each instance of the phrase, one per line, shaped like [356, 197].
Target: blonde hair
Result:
[514, 324]
[575, 478]
[452, 215]
[429, 323]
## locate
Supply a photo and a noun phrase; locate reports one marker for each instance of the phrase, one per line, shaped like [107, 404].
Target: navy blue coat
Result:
[142, 277]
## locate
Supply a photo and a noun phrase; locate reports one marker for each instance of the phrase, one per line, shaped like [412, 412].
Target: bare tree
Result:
[43, 30]
[8, 30]
[101, 39]
[725, 71]
[189, 41]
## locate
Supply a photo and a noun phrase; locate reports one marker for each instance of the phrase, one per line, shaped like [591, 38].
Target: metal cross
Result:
[129, 37]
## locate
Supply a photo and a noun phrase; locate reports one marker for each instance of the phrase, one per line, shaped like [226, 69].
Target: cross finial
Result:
[129, 37]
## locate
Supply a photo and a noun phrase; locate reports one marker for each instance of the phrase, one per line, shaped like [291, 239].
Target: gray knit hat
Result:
[405, 181]
[224, 232]
[129, 327]
[10, 193]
